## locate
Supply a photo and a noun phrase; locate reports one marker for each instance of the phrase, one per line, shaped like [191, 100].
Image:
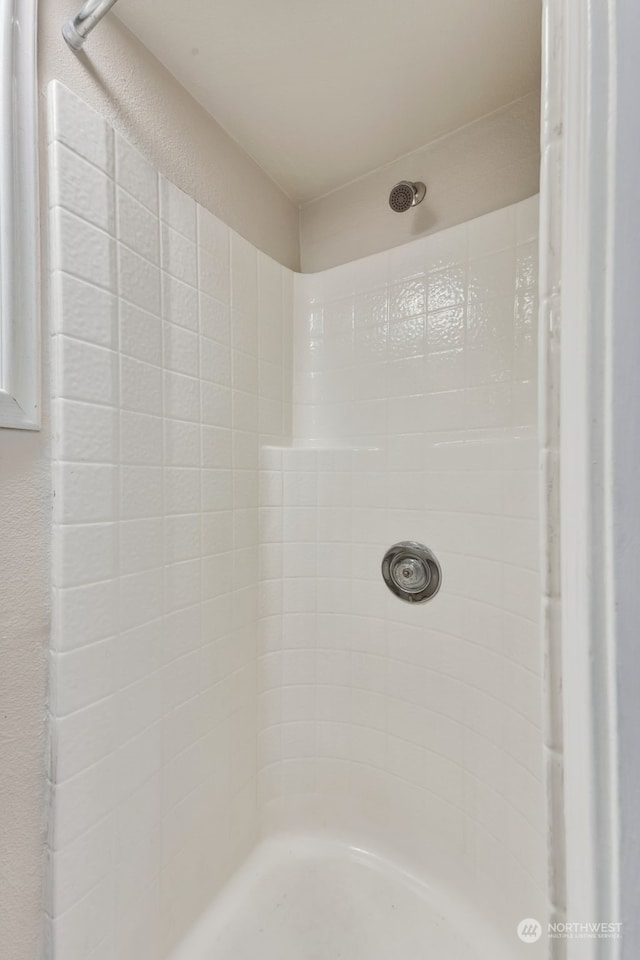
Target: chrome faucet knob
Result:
[411, 571]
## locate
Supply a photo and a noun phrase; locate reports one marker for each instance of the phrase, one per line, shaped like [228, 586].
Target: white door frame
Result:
[600, 466]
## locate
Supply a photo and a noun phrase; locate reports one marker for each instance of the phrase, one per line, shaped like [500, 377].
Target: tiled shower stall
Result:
[235, 447]
[414, 419]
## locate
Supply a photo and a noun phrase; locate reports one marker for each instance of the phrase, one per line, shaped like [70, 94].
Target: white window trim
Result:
[19, 245]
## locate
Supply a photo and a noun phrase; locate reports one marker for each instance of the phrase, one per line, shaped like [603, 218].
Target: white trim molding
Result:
[587, 415]
[623, 475]
[19, 244]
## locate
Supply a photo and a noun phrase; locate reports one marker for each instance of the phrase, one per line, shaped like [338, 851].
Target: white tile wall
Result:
[437, 335]
[225, 655]
[415, 416]
[155, 541]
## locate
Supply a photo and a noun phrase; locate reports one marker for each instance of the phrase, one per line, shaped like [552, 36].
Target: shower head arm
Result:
[77, 29]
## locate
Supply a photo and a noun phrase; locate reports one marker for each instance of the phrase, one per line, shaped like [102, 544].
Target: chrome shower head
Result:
[406, 195]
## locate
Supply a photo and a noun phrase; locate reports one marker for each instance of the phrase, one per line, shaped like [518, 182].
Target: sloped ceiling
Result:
[320, 92]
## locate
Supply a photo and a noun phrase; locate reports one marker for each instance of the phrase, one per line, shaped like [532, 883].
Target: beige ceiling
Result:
[320, 92]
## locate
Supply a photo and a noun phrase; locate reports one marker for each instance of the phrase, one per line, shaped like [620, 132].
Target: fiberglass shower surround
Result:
[228, 664]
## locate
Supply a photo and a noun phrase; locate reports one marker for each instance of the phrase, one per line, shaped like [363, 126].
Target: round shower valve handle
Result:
[411, 571]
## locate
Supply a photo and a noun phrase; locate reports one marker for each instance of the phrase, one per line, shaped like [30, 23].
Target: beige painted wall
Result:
[486, 165]
[24, 634]
[119, 77]
[479, 168]
[25, 601]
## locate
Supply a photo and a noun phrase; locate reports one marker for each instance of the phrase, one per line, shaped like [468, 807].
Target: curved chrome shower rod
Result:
[76, 29]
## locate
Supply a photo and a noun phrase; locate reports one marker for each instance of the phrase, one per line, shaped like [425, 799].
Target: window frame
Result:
[19, 234]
